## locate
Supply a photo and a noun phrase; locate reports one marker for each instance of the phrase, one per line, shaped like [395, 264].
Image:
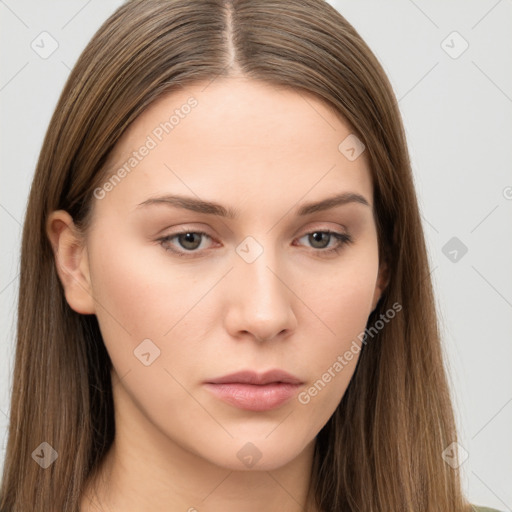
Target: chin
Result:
[258, 453]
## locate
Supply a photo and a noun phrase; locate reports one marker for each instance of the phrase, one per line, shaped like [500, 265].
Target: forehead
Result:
[238, 139]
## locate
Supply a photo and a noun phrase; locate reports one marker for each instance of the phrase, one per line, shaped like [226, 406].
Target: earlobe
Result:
[71, 261]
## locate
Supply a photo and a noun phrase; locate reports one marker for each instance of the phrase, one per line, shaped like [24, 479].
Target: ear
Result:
[382, 283]
[71, 261]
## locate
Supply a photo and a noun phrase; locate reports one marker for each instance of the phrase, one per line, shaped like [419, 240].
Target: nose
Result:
[260, 300]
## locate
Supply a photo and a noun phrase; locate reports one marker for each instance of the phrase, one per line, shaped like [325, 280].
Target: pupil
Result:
[317, 236]
[189, 239]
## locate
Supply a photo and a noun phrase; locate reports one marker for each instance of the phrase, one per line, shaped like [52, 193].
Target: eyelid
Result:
[322, 226]
[299, 234]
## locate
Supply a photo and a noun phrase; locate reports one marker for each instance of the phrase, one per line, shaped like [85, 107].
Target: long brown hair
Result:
[382, 448]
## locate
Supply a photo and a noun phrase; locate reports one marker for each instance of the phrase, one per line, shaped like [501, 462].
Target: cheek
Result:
[340, 304]
[341, 296]
[333, 343]
[137, 280]
[139, 294]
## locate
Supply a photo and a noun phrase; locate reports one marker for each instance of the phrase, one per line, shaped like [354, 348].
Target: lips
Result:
[253, 391]
[250, 377]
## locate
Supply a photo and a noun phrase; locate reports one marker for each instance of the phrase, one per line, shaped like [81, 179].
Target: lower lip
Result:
[252, 397]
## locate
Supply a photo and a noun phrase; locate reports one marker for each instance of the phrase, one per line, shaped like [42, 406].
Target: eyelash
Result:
[342, 240]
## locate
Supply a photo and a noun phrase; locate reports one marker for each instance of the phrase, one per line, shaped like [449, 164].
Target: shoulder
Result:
[476, 508]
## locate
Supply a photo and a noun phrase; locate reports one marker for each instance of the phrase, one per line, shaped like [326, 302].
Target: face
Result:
[186, 293]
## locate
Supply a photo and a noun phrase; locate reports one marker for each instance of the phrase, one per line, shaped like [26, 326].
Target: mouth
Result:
[252, 391]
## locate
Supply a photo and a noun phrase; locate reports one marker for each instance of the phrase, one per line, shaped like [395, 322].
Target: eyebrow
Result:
[212, 208]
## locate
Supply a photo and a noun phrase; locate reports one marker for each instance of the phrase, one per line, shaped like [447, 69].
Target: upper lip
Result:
[252, 377]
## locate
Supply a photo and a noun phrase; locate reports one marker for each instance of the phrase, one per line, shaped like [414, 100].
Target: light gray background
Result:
[458, 118]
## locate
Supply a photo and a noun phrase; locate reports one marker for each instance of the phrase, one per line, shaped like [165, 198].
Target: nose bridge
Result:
[257, 265]
[261, 299]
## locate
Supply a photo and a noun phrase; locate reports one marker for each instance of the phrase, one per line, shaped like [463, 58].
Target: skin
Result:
[264, 151]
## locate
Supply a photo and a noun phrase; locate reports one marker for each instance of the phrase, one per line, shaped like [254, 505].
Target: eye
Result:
[189, 242]
[320, 241]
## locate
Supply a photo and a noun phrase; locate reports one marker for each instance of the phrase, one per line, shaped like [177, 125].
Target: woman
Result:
[225, 301]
